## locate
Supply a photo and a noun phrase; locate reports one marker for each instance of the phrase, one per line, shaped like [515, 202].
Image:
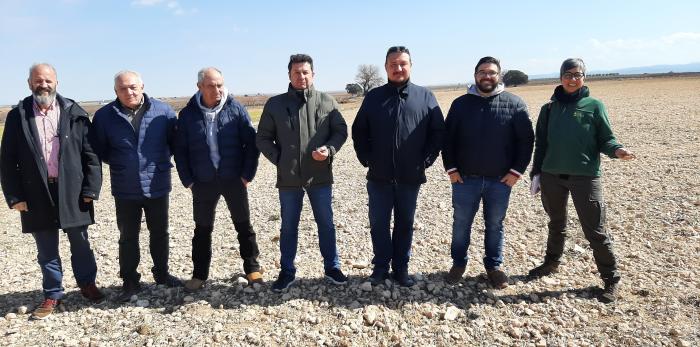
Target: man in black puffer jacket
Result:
[488, 147]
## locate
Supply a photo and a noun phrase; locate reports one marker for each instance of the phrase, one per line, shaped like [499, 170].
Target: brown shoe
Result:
[91, 293]
[498, 278]
[455, 274]
[255, 277]
[45, 309]
[194, 284]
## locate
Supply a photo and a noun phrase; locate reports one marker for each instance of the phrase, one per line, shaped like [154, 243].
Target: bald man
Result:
[216, 156]
[134, 135]
[48, 190]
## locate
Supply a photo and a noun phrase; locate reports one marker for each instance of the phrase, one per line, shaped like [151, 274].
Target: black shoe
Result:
[547, 268]
[169, 281]
[610, 293]
[284, 280]
[129, 289]
[404, 279]
[378, 277]
[336, 276]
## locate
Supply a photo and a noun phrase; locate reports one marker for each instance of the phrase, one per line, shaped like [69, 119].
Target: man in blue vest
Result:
[134, 135]
[216, 156]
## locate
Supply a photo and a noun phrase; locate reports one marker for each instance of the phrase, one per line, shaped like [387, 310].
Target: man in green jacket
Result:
[300, 132]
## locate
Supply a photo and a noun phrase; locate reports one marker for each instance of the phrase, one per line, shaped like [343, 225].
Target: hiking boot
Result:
[284, 280]
[129, 289]
[610, 293]
[45, 309]
[255, 277]
[455, 274]
[169, 281]
[194, 284]
[91, 293]
[378, 277]
[336, 276]
[547, 268]
[403, 278]
[497, 278]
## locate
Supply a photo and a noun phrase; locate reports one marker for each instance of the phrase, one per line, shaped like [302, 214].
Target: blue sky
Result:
[168, 41]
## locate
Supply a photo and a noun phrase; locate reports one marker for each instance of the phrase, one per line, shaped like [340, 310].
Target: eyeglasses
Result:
[489, 74]
[572, 76]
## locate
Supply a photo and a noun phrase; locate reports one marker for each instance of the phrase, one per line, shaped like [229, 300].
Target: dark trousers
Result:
[388, 246]
[587, 194]
[129, 213]
[205, 197]
[81, 256]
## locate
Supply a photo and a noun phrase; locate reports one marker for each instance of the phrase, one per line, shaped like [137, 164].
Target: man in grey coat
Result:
[300, 132]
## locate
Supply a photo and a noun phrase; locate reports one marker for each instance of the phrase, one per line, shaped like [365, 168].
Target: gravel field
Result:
[653, 214]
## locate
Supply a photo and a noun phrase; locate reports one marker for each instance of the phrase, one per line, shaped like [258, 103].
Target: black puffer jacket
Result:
[488, 136]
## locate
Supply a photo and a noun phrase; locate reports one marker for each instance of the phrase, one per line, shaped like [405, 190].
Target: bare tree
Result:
[368, 77]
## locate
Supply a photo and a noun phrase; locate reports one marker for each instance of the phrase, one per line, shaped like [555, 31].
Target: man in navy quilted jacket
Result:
[216, 156]
[489, 144]
[134, 135]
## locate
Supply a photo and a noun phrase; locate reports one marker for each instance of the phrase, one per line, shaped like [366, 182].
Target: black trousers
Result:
[587, 194]
[129, 213]
[205, 198]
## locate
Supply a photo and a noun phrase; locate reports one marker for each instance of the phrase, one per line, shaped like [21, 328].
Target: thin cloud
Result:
[658, 43]
[146, 2]
[173, 6]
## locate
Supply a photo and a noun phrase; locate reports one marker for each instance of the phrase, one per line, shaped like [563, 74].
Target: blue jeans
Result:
[387, 246]
[465, 201]
[291, 202]
[82, 259]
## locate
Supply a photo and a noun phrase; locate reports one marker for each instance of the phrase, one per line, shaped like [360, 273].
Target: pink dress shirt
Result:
[47, 125]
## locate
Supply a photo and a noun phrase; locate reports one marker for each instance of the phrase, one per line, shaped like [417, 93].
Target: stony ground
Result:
[653, 214]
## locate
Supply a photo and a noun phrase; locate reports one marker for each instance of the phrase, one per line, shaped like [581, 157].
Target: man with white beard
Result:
[50, 175]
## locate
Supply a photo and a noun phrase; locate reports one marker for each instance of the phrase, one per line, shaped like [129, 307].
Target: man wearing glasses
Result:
[50, 175]
[397, 134]
[488, 147]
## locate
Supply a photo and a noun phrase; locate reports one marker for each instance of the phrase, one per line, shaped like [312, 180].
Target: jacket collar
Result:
[305, 94]
[66, 106]
[402, 90]
[118, 107]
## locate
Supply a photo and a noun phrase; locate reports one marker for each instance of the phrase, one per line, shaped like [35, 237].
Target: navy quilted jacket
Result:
[139, 164]
[235, 136]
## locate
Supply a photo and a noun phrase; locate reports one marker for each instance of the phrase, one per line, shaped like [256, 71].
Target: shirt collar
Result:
[127, 110]
[52, 107]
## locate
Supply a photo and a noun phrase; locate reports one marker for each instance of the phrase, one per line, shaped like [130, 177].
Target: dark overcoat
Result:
[23, 171]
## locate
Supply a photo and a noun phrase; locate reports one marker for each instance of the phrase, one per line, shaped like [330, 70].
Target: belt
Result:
[52, 180]
[480, 176]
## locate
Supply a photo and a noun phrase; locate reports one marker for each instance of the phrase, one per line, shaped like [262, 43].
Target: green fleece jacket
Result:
[570, 139]
[291, 127]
